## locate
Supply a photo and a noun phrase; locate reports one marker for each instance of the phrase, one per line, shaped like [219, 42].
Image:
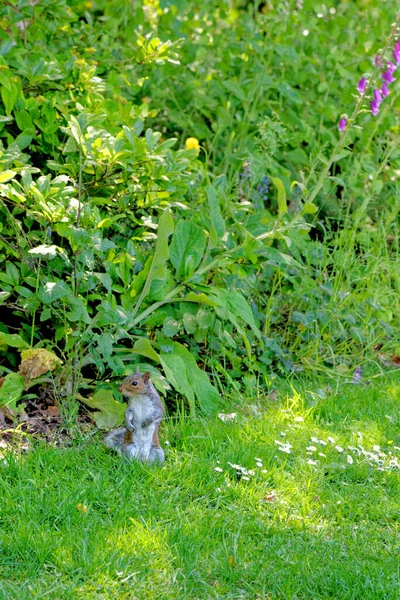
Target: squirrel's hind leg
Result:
[115, 439]
[156, 455]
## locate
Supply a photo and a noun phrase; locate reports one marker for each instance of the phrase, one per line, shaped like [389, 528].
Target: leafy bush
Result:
[121, 244]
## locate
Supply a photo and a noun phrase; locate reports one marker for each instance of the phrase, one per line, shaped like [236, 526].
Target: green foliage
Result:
[118, 242]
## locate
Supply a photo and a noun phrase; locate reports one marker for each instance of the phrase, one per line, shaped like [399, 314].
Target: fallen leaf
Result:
[53, 411]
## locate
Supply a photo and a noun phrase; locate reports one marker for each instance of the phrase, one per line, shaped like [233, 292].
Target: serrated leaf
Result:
[54, 290]
[110, 413]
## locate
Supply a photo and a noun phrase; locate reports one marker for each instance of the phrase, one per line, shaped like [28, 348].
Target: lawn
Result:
[296, 498]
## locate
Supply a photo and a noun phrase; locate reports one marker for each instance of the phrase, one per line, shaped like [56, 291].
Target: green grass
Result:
[295, 531]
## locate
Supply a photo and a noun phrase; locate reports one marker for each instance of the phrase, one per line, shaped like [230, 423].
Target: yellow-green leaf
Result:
[282, 203]
[309, 209]
[7, 176]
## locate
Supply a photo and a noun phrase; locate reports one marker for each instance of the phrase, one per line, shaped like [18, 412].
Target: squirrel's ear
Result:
[146, 376]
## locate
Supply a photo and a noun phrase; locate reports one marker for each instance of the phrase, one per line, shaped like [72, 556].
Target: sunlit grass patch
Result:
[300, 501]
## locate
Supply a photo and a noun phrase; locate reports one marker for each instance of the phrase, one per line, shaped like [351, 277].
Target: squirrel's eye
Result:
[134, 383]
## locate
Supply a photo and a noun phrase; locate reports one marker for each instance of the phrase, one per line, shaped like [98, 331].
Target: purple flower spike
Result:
[362, 84]
[385, 90]
[397, 46]
[377, 59]
[342, 124]
[374, 108]
[396, 56]
[388, 76]
[378, 97]
[391, 66]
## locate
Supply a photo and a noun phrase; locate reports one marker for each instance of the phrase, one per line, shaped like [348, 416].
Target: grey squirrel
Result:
[138, 440]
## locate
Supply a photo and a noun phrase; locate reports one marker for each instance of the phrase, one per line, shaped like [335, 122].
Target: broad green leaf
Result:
[13, 273]
[9, 96]
[175, 372]
[236, 304]
[215, 214]
[282, 203]
[206, 394]
[110, 413]
[204, 319]
[11, 390]
[187, 248]
[143, 346]
[190, 323]
[13, 339]
[24, 120]
[171, 327]
[55, 290]
[161, 254]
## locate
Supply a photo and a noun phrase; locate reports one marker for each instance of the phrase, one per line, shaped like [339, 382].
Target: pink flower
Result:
[342, 124]
[385, 90]
[391, 66]
[374, 108]
[378, 97]
[388, 76]
[377, 59]
[396, 56]
[362, 84]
